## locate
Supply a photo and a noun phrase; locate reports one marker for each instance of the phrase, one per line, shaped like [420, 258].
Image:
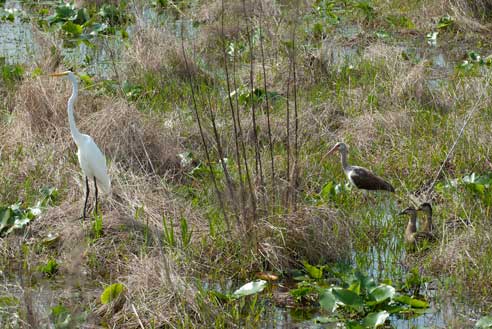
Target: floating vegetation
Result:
[358, 301]
[17, 217]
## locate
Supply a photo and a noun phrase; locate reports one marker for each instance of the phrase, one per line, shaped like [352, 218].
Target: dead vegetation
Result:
[151, 185]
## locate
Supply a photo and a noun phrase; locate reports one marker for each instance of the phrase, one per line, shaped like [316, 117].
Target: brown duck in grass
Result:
[360, 177]
[412, 237]
[427, 225]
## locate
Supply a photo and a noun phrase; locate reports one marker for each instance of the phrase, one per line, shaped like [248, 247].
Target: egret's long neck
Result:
[71, 119]
[343, 156]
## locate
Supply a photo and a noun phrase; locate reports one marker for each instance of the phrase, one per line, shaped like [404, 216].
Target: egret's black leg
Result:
[86, 195]
[95, 185]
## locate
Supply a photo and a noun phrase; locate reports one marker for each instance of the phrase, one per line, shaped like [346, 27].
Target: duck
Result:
[427, 225]
[412, 237]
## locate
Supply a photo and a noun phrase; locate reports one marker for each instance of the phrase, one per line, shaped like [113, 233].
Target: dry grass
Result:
[302, 236]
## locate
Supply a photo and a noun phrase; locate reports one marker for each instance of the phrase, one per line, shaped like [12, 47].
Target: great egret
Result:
[91, 160]
[360, 177]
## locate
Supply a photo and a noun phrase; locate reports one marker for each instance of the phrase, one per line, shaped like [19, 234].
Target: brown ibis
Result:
[360, 177]
[427, 225]
[412, 237]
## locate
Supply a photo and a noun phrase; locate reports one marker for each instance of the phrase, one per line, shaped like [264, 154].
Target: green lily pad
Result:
[373, 320]
[250, 288]
[313, 271]
[484, 322]
[382, 293]
[328, 301]
[347, 297]
[413, 302]
[72, 28]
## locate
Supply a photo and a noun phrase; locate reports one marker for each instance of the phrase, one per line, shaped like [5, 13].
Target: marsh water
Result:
[384, 260]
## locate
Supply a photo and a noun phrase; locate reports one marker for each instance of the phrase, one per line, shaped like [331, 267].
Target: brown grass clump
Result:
[138, 141]
[159, 52]
[304, 236]
[41, 109]
[466, 256]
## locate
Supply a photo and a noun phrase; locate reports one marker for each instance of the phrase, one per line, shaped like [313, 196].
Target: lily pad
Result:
[382, 293]
[373, 320]
[347, 297]
[328, 301]
[250, 288]
[413, 302]
[313, 271]
[484, 322]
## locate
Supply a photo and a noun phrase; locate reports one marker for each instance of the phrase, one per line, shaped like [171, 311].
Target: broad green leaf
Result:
[72, 28]
[347, 297]
[250, 288]
[417, 303]
[65, 11]
[382, 293]
[328, 301]
[313, 271]
[366, 282]
[484, 322]
[112, 292]
[7, 218]
[355, 287]
[373, 320]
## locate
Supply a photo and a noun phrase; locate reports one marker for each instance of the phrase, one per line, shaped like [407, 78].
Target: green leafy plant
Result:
[97, 225]
[50, 268]
[484, 322]
[168, 232]
[445, 22]
[359, 301]
[16, 216]
[112, 292]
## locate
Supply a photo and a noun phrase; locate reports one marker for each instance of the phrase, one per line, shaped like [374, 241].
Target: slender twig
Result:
[270, 142]
[258, 166]
[241, 141]
[295, 171]
[287, 142]
[202, 135]
[448, 156]
[220, 151]
[138, 318]
[233, 114]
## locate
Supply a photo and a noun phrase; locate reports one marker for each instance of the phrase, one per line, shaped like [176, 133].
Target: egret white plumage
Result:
[91, 159]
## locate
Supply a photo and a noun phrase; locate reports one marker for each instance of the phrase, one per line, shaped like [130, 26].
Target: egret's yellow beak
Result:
[59, 74]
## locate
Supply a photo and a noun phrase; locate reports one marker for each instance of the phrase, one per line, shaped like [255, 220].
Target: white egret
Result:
[91, 159]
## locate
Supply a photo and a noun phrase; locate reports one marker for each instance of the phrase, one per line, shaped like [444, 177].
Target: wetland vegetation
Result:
[225, 212]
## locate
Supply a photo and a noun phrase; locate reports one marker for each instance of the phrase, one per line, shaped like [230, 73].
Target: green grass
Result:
[164, 234]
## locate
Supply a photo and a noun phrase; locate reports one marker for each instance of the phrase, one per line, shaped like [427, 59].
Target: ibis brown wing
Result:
[366, 180]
